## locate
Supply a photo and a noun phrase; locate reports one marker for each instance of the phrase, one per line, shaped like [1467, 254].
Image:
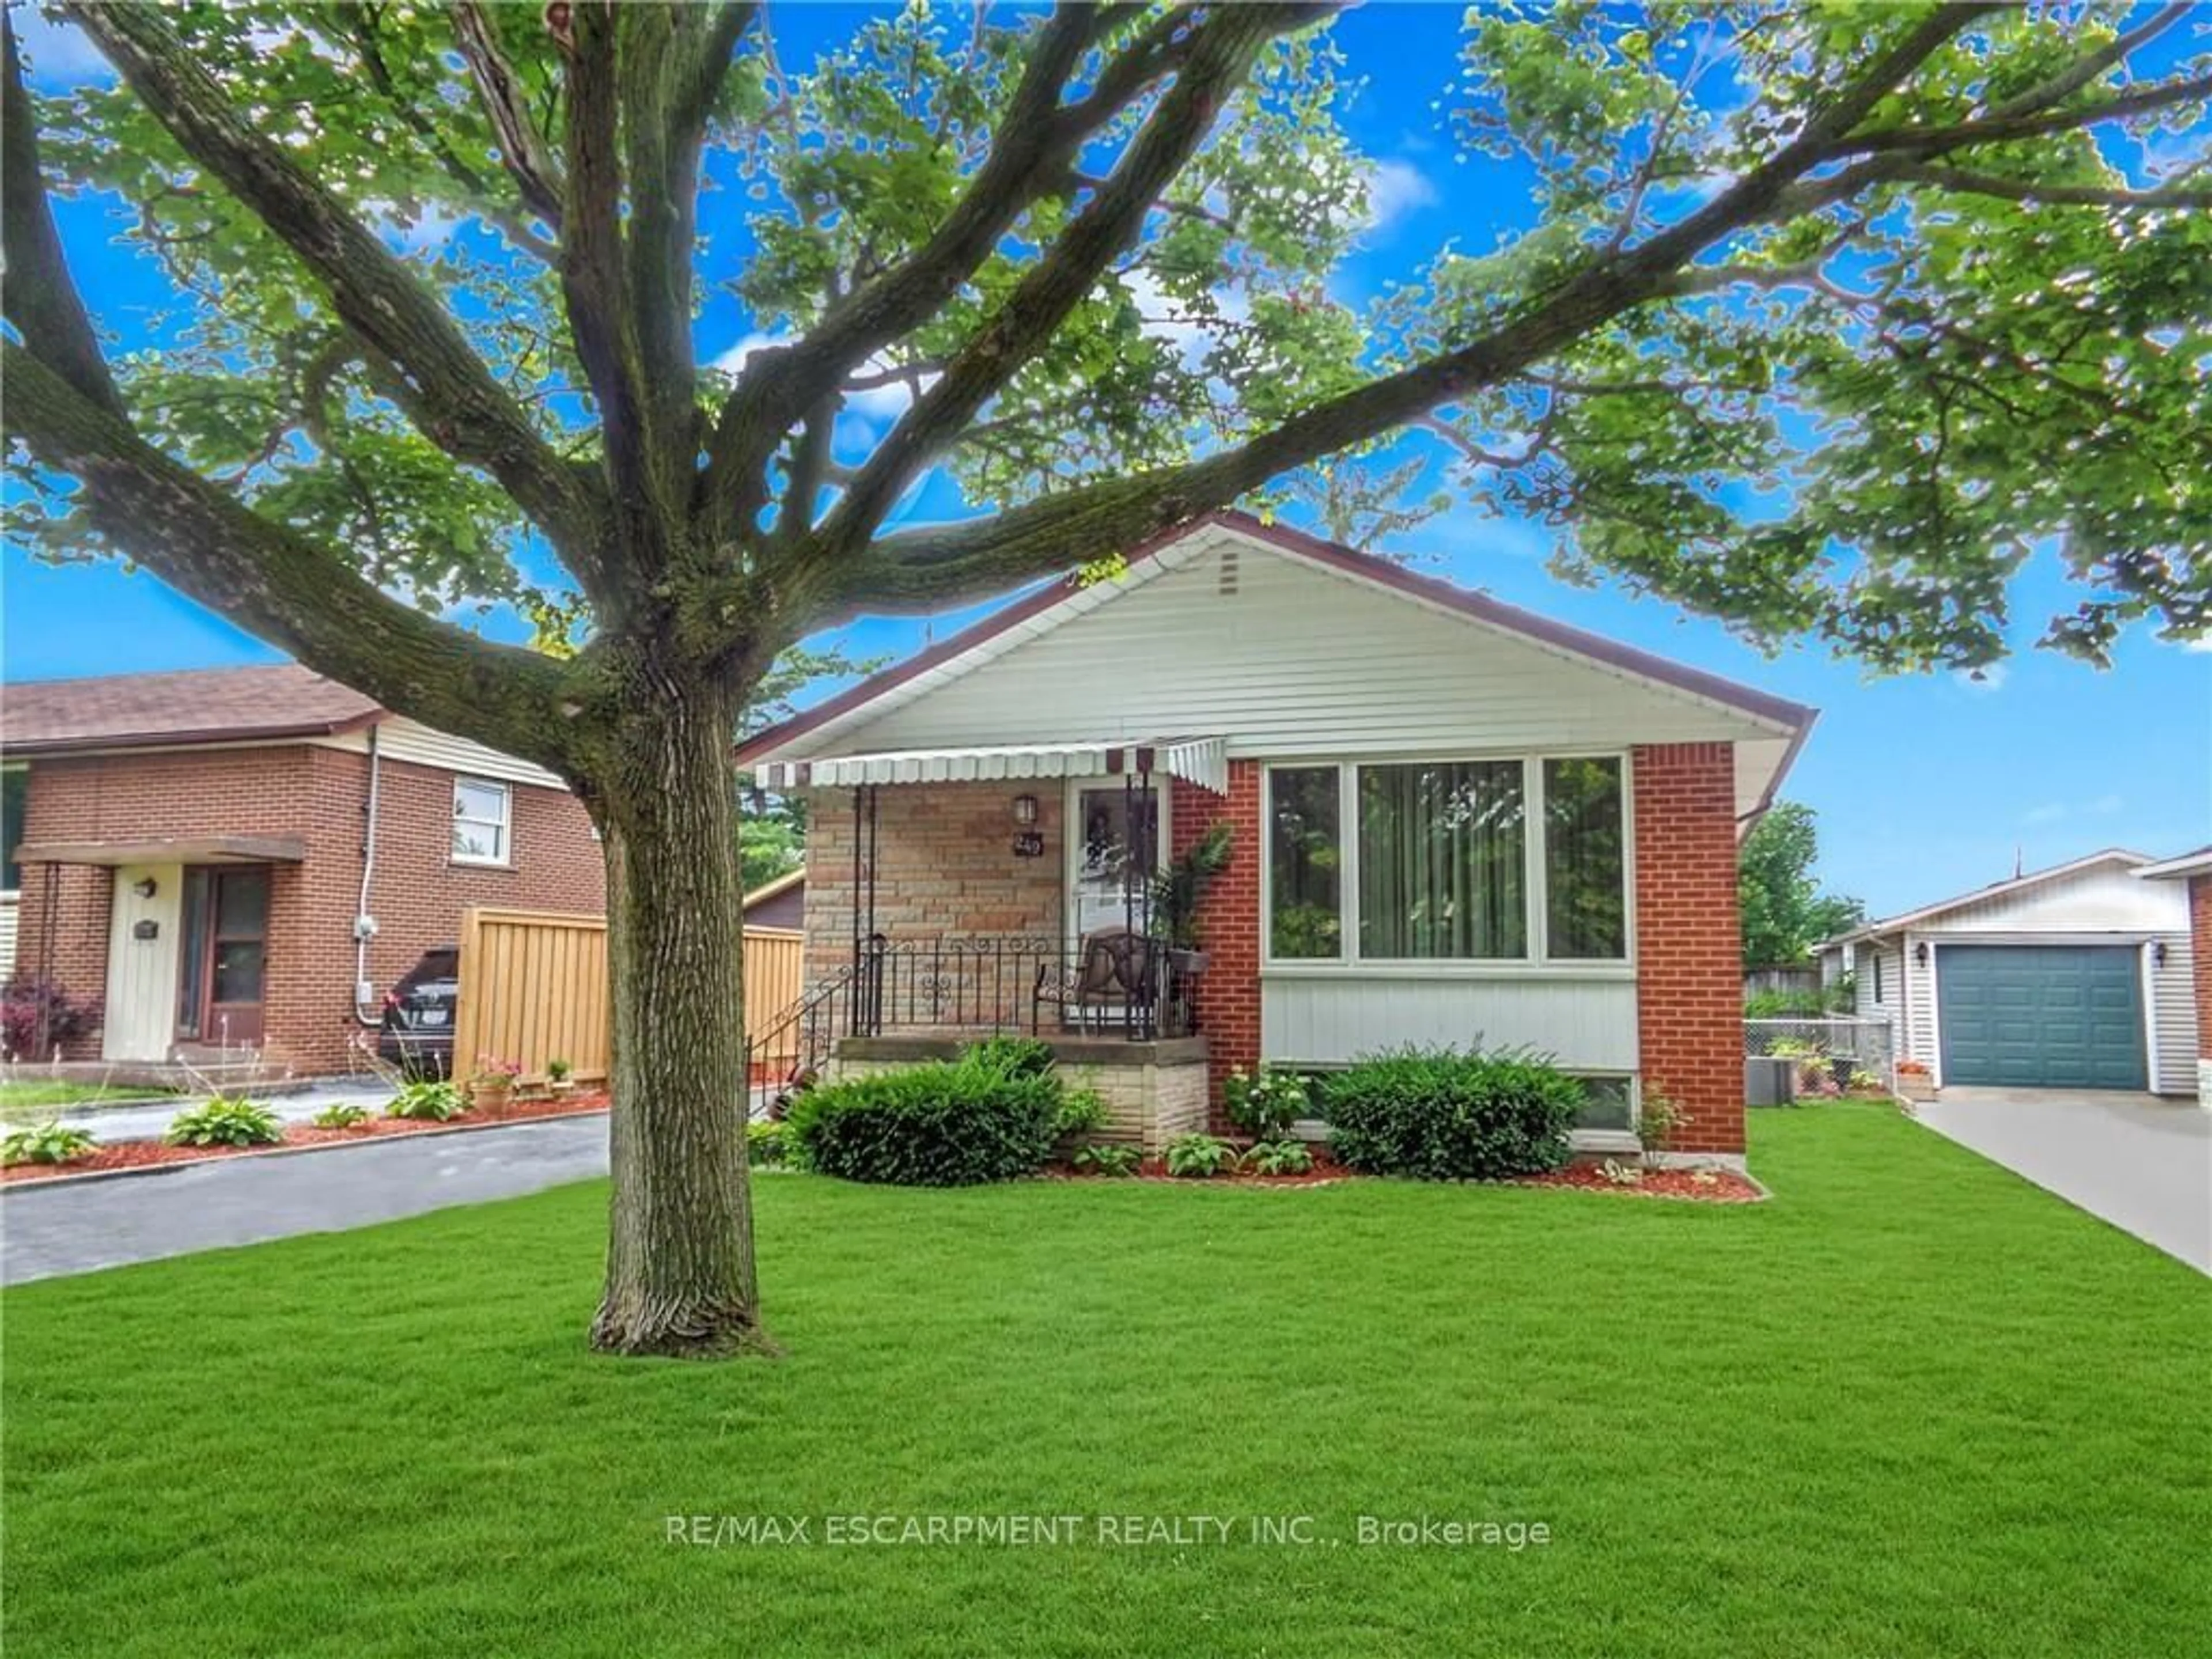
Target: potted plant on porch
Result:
[559, 1077]
[1176, 891]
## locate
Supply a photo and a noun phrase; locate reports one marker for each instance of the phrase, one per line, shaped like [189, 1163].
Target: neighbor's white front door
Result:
[141, 1011]
[1109, 825]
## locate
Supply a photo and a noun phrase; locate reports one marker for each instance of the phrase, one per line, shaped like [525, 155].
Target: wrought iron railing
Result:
[1127, 987]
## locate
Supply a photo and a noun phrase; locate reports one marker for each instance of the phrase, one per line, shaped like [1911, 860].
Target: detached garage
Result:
[2076, 977]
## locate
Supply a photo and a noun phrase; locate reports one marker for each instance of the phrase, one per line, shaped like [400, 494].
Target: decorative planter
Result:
[1188, 962]
[1917, 1087]
[559, 1086]
[492, 1096]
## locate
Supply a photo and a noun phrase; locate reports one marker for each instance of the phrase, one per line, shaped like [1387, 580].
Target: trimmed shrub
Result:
[51, 1142]
[226, 1120]
[427, 1101]
[1449, 1115]
[1015, 1056]
[37, 1013]
[768, 1144]
[951, 1123]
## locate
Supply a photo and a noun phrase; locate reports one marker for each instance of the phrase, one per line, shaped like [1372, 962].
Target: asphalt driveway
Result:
[75, 1227]
[2142, 1164]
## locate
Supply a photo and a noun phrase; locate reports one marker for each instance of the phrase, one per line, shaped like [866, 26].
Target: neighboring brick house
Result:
[194, 850]
[1452, 821]
[2194, 870]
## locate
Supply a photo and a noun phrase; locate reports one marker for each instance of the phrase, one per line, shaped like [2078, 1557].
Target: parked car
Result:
[417, 1036]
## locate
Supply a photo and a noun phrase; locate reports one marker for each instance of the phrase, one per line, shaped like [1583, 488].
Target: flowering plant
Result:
[493, 1072]
[1264, 1104]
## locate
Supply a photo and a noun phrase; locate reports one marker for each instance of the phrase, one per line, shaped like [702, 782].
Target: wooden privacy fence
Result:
[534, 988]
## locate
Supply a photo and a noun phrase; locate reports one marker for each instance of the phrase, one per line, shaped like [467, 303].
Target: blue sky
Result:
[1925, 786]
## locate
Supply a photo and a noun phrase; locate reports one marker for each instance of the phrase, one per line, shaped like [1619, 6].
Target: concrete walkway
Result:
[2142, 1164]
[77, 1226]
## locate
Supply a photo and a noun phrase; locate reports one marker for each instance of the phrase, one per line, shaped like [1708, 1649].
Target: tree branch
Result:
[455, 400]
[1219, 61]
[927, 569]
[2003, 129]
[276, 583]
[521, 151]
[41, 301]
[1966, 182]
[361, 26]
[1035, 144]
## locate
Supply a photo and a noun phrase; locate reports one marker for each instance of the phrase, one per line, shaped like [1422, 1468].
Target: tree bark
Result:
[680, 1277]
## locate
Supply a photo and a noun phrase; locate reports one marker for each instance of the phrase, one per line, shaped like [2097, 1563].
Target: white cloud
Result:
[2049, 813]
[2201, 643]
[2106, 806]
[1164, 317]
[1395, 189]
[2054, 811]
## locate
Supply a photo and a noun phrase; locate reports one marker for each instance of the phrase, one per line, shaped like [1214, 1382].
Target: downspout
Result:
[362, 926]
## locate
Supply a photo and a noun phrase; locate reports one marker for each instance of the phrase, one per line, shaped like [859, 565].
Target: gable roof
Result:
[2198, 863]
[775, 888]
[2120, 855]
[198, 706]
[1051, 605]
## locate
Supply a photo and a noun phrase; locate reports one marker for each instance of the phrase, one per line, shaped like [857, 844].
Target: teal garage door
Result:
[2041, 1016]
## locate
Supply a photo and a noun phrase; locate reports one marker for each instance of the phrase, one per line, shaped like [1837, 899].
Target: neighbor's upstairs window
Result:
[1442, 864]
[481, 819]
[1585, 897]
[1305, 921]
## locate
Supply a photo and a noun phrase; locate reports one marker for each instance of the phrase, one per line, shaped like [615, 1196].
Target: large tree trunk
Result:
[680, 1276]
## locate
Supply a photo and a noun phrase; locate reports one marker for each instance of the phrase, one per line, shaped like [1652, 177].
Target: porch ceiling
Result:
[180, 849]
[1201, 760]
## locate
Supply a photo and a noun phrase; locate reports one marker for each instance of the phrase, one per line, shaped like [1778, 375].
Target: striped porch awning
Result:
[1201, 760]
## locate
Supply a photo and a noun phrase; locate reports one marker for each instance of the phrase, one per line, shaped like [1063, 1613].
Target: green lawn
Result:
[19, 1100]
[1911, 1407]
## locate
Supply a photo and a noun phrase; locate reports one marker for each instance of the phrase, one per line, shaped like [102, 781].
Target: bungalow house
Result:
[2074, 977]
[1449, 821]
[246, 859]
[2192, 873]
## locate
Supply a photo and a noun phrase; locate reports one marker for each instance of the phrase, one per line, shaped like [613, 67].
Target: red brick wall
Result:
[1228, 996]
[319, 796]
[1689, 977]
[2200, 934]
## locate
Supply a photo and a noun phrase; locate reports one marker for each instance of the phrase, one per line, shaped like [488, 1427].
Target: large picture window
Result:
[1466, 861]
[1585, 904]
[1443, 864]
[1305, 919]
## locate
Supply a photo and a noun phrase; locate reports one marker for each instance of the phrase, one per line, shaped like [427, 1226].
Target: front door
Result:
[143, 917]
[1115, 845]
[222, 968]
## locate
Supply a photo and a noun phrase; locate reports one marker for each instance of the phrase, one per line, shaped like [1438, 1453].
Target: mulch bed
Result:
[143, 1154]
[1705, 1186]
[1701, 1185]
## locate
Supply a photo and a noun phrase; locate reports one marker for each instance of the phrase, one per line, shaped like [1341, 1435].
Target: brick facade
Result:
[1689, 980]
[318, 795]
[1228, 995]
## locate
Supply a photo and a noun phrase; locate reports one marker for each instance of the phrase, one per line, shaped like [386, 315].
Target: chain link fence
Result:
[1832, 1055]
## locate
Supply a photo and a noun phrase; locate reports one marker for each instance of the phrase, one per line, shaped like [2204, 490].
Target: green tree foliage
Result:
[1783, 910]
[1829, 316]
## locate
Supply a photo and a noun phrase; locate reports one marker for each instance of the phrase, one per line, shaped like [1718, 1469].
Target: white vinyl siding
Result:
[1282, 658]
[483, 821]
[2171, 1002]
[1328, 1017]
[8, 908]
[408, 740]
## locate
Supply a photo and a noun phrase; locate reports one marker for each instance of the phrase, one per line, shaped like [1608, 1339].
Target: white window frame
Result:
[1538, 963]
[502, 857]
[15, 769]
